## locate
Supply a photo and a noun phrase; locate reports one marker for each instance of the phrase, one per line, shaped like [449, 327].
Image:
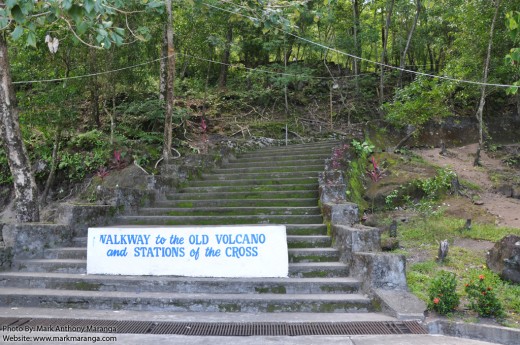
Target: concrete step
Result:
[289, 150]
[313, 255]
[79, 253]
[298, 233]
[76, 266]
[318, 270]
[223, 176]
[275, 169]
[295, 255]
[219, 220]
[293, 202]
[318, 241]
[229, 211]
[179, 302]
[293, 157]
[253, 188]
[275, 163]
[322, 143]
[64, 281]
[254, 182]
[297, 194]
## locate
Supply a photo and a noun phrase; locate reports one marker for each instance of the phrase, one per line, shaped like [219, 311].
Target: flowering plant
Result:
[442, 296]
[483, 299]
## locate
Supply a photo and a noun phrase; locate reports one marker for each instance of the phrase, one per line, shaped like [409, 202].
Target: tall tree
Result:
[224, 67]
[21, 19]
[26, 190]
[170, 79]
[482, 102]
[409, 40]
[389, 10]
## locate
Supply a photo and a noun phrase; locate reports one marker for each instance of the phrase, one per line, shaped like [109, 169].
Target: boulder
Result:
[504, 258]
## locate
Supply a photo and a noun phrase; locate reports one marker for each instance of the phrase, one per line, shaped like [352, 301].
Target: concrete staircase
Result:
[269, 186]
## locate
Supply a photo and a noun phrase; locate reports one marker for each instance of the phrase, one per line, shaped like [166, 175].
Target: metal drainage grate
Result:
[211, 328]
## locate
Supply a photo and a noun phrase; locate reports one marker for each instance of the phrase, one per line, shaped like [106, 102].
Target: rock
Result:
[389, 244]
[516, 192]
[506, 189]
[443, 250]
[504, 258]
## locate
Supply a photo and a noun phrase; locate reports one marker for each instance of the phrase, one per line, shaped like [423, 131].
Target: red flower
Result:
[484, 293]
[436, 300]
[481, 277]
[467, 285]
[489, 288]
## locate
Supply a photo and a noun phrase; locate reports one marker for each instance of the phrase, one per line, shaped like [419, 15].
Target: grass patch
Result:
[421, 235]
[438, 227]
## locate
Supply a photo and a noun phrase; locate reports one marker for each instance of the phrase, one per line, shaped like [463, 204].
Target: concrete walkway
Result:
[138, 339]
[145, 339]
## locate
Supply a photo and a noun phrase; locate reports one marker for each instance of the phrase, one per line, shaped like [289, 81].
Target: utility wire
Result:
[186, 55]
[254, 19]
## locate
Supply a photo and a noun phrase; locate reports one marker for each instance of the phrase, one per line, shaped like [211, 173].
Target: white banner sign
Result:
[216, 251]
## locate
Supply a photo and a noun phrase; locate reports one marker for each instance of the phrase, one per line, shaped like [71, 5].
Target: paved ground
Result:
[147, 339]
[130, 339]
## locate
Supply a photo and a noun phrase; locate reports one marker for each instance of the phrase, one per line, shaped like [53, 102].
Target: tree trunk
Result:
[25, 188]
[54, 165]
[222, 79]
[383, 54]
[480, 110]
[408, 41]
[357, 46]
[94, 89]
[162, 71]
[170, 79]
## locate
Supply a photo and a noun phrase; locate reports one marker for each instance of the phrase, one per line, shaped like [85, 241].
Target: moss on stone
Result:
[229, 308]
[82, 285]
[279, 289]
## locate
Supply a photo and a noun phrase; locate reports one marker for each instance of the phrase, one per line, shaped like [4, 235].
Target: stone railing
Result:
[383, 275]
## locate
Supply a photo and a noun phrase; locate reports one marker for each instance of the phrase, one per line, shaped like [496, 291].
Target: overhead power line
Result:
[186, 55]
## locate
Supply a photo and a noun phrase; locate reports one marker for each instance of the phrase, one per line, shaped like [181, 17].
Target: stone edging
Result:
[489, 333]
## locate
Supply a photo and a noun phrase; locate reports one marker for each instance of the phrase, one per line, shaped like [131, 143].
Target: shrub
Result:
[442, 296]
[483, 299]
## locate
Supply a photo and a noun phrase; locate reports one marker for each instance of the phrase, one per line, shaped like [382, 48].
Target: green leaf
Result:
[17, 14]
[118, 40]
[67, 4]
[120, 31]
[17, 32]
[106, 43]
[4, 20]
[89, 5]
[81, 28]
[155, 4]
[76, 12]
[11, 3]
[31, 39]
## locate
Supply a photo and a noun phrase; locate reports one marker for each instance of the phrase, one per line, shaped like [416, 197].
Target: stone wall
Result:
[29, 240]
[383, 275]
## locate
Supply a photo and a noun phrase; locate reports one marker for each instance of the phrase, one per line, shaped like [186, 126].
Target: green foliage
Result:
[442, 295]
[483, 298]
[88, 140]
[5, 173]
[430, 189]
[513, 58]
[91, 17]
[363, 149]
[85, 154]
[422, 100]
